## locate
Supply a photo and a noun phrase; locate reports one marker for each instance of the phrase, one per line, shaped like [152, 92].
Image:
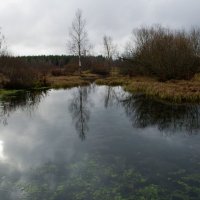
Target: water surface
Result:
[97, 142]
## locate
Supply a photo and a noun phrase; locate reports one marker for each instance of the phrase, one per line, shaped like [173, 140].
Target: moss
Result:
[7, 93]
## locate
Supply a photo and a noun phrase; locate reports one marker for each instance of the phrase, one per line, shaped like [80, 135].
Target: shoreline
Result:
[174, 91]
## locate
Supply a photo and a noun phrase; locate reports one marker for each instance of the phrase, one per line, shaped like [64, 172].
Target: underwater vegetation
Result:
[90, 178]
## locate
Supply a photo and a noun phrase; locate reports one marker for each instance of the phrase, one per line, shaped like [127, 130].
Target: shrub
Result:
[17, 73]
[126, 68]
[99, 65]
[71, 68]
[57, 72]
[100, 68]
[165, 53]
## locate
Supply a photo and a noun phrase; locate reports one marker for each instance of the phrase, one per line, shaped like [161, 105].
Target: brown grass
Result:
[178, 91]
[66, 81]
[72, 80]
[175, 90]
[113, 81]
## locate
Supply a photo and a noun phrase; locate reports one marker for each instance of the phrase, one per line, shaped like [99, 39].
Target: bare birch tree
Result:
[2, 43]
[78, 43]
[79, 108]
[109, 47]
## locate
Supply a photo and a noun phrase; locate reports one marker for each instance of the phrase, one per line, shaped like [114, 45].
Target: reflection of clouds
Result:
[2, 156]
[26, 101]
[48, 136]
[47, 133]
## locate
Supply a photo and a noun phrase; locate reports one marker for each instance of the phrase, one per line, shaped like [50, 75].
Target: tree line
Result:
[155, 51]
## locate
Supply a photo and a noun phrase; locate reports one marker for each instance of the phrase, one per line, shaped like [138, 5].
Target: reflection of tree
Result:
[145, 112]
[80, 111]
[113, 96]
[27, 100]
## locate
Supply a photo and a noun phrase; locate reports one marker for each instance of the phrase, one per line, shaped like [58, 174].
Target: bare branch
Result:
[3, 46]
[78, 43]
[110, 48]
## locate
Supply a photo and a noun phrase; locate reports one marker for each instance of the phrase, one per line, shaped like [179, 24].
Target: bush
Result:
[126, 68]
[100, 65]
[166, 54]
[57, 72]
[71, 68]
[101, 69]
[17, 73]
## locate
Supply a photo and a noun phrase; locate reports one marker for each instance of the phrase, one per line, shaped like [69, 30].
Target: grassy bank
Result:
[179, 91]
[7, 92]
[72, 81]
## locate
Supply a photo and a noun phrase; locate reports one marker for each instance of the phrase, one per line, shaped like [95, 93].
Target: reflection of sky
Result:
[49, 135]
[32, 139]
[2, 156]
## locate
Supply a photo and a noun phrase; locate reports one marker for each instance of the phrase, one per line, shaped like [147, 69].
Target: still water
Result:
[97, 143]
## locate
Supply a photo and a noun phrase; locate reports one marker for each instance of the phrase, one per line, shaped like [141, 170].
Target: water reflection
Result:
[147, 112]
[114, 96]
[41, 156]
[170, 118]
[26, 101]
[79, 108]
[142, 111]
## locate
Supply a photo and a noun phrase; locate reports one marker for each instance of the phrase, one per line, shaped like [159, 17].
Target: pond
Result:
[97, 142]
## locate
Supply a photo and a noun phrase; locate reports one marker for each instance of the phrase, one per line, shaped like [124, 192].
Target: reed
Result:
[173, 91]
[67, 81]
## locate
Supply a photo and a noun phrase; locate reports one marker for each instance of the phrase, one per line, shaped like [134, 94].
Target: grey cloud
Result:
[41, 27]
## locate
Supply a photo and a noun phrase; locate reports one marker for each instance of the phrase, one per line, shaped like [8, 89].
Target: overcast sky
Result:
[41, 26]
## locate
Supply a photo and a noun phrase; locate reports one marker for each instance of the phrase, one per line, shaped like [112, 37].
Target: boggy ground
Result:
[179, 91]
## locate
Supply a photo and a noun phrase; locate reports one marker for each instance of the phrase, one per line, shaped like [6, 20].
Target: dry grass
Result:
[66, 81]
[176, 91]
[196, 78]
[74, 80]
[113, 81]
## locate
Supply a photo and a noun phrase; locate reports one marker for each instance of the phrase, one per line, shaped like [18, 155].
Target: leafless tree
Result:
[195, 40]
[2, 43]
[80, 111]
[109, 47]
[129, 48]
[78, 43]
[165, 53]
